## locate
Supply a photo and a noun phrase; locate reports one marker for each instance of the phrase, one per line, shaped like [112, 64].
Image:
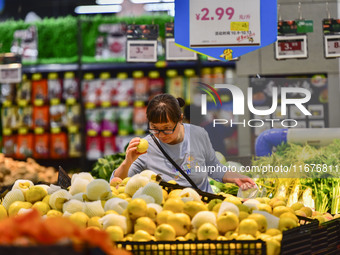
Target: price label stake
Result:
[173, 52]
[141, 51]
[288, 47]
[332, 46]
[220, 23]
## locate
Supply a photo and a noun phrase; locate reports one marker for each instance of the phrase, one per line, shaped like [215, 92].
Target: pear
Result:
[15, 207]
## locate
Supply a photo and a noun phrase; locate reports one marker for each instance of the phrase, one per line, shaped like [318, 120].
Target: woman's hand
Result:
[244, 182]
[131, 151]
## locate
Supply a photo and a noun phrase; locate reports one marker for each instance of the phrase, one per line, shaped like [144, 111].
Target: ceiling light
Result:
[90, 9]
[169, 7]
[109, 1]
[144, 1]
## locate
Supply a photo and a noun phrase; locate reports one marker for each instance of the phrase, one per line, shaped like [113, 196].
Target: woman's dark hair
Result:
[163, 108]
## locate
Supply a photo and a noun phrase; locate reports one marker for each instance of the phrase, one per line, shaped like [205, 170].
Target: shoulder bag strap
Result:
[174, 163]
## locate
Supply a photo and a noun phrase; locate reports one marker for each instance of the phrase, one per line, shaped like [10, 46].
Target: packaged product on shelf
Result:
[125, 118]
[124, 90]
[54, 88]
[111, 42]
[23, 95]
[206, 75]
[41, 117]
[141, 86]
[73, 115]
[7, 93]
[9, 117]
[218, 75]
[109, 145]
[58, 147]
[39, 90]
[70, 88]
[41, 146]
[91, 90]
[106, 86]
[57, 116]
[94, 119]
[74, 145]
[156, 84]
[175, 84]
[110, 118]
[93, 147]
[25, 117]
[140, 122]
[190, 82]
[24, 146]
[9, 145]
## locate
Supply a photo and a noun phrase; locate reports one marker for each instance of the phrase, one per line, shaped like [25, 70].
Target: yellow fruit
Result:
[300, 213]
[141, 236]
[165, 232]
[336, 216]
[35, 193]
[297, 206]
[79, 218]
[320, 218]
[273, 232]
[290, 215]
[248, 227]
[265, 207]
[46, 199]
[94, 222]
[242, 216]
[3, 212]
[162, 217]
[227, 221]
[273, 246]
[244, 208]
[261, 221]
[54, 213]
[172, 182]
[175, 193]
[213, 203]
[137, 208]
[111, 212]
[277, 211]
[190, 236]
[42, 207]
[175, 205]
[146, 224]
[180, 222]
[116, 233]
[165, 194]
[207, 231]
[217, 207]
[234, 200]
[307, 210]
[193, 207]
[16, 206]
[142, 146]
[279, 203]
[287, 223]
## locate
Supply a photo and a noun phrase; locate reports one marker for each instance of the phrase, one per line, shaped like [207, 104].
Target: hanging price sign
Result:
[173, 52]
[224, 29]
[141, 51]
[332, 46]
[221, 23]
[291, 47]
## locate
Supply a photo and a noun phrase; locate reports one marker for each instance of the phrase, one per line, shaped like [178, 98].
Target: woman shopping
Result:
[188, 148]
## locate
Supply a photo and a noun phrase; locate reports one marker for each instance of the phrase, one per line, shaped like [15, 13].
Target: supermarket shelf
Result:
[50, 68]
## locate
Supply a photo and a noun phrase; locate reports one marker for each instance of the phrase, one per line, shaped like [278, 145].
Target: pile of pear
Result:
[139, 209]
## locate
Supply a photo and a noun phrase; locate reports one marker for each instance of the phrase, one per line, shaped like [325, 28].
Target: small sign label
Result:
[291, 47]
[173, 52]
[141, 51]
[332, 46]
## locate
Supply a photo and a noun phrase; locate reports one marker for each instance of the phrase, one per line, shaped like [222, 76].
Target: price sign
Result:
[141, 51]
[10, 73]
[173, 52]
[291, 47]
[220, 23]
[332, 46]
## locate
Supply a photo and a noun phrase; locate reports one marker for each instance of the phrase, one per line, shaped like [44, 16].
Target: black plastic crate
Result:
[254, 247]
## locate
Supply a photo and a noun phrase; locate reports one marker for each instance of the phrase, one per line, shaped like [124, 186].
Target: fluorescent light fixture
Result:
[170, 7]
[144, 1]
[109, 1]
[168, 1]
[90, 9]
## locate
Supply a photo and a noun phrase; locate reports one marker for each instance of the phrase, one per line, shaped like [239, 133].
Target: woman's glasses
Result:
[165, 131]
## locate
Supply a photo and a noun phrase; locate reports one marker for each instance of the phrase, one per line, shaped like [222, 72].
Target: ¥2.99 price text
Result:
[218, 13]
